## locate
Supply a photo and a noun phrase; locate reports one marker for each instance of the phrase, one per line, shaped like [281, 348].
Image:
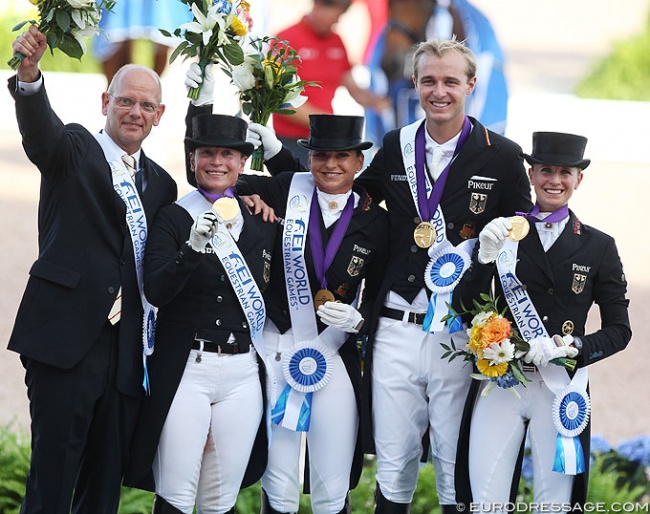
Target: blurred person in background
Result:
[324, 60]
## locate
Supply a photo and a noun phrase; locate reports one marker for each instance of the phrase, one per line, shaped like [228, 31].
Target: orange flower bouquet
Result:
[494, 346]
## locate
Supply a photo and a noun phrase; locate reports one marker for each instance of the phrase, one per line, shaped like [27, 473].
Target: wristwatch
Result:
[577, 343]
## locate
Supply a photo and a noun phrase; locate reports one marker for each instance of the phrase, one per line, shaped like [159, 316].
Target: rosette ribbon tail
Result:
[454, 323]
[428, 317]
[293, 410]
[569, 456]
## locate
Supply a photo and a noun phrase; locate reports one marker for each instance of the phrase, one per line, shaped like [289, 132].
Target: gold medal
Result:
[520, 228]
[424, 234]
[227, 208]
[322, 296]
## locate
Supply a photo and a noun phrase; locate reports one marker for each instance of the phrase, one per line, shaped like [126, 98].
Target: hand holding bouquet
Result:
[214, 36]
[268, 83]
[65, 23]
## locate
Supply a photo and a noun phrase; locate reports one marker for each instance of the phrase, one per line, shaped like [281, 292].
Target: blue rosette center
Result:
[571, 412]
[445, 270]
[307, 367]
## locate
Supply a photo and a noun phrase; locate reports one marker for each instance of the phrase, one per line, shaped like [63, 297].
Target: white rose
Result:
[242, 77]
[78, 4]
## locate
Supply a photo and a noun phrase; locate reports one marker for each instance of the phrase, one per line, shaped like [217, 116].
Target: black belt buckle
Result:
[416, 318]
[530, 368]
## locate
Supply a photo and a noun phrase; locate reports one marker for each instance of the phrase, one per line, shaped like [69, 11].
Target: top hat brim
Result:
[554, 160]
[242, 146]
[306, 143]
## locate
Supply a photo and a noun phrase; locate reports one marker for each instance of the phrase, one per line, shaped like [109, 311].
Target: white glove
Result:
[545, 349]
[492, 238]
[203, 230]
[261, 135]
[341, 316]
[194, 79]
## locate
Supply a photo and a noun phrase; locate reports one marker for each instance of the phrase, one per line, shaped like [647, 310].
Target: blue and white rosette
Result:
[442, 274]
[307, 368]
[148, 339]
[571, 411]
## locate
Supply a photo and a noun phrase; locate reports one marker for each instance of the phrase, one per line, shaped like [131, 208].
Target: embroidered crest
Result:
[468, 230]
[477, 202]
[579, 281]
[356, 263]
[567, 327]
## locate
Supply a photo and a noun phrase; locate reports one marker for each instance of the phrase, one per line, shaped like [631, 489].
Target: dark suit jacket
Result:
[85, 251]
[193, 294]
[550, 279]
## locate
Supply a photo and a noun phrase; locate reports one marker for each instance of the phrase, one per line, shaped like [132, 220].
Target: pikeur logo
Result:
[359, 249]
[473, 184]
[398, 178]
[578, 267]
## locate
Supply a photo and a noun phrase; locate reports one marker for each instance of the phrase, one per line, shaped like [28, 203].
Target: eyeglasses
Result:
[126, 103]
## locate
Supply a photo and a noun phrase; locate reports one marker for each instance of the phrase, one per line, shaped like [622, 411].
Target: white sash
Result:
[447, 263]
[137, 223]
[407, 144]
[307, 366]
[241, 279]
[571, 407]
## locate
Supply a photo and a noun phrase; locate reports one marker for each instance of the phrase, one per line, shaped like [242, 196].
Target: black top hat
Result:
[331, 132]
[219, 130]
[558, 149]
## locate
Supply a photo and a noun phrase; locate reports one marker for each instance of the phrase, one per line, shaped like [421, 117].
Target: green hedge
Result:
[618, 475]
[624, 74]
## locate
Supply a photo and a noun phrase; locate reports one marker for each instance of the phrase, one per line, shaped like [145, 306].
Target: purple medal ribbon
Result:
[213, 197]
[323, 260]
[558, 215]
[428, 207]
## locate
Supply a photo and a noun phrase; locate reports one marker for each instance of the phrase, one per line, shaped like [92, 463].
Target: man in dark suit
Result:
[442, 178]
[79, 328]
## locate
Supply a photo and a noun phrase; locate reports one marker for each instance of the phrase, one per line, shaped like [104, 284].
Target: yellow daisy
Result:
[486, 369]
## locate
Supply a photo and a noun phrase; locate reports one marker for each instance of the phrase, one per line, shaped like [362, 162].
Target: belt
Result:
[531, 368]
[229, 348]
[413, 317]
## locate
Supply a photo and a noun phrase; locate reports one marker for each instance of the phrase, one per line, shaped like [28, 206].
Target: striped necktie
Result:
[136, 176]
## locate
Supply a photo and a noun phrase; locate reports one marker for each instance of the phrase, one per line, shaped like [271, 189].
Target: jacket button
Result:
[414, 248]
[417, 220]
[551, 290]
[219, 299]
[111, 289]
[222, 278]
[450, 225]
[545, 319]
[244, 324]
[411, 278]
[218, 322]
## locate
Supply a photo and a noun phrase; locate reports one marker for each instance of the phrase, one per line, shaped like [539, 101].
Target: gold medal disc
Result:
[424, 234]
[322, 296]
[227, 208]
[520, 228]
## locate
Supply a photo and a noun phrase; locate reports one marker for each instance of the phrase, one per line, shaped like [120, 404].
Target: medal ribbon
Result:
[428, 206]
[555, 216]
[213, 197]
[137, 224]
[323, 260]
[569, 456]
